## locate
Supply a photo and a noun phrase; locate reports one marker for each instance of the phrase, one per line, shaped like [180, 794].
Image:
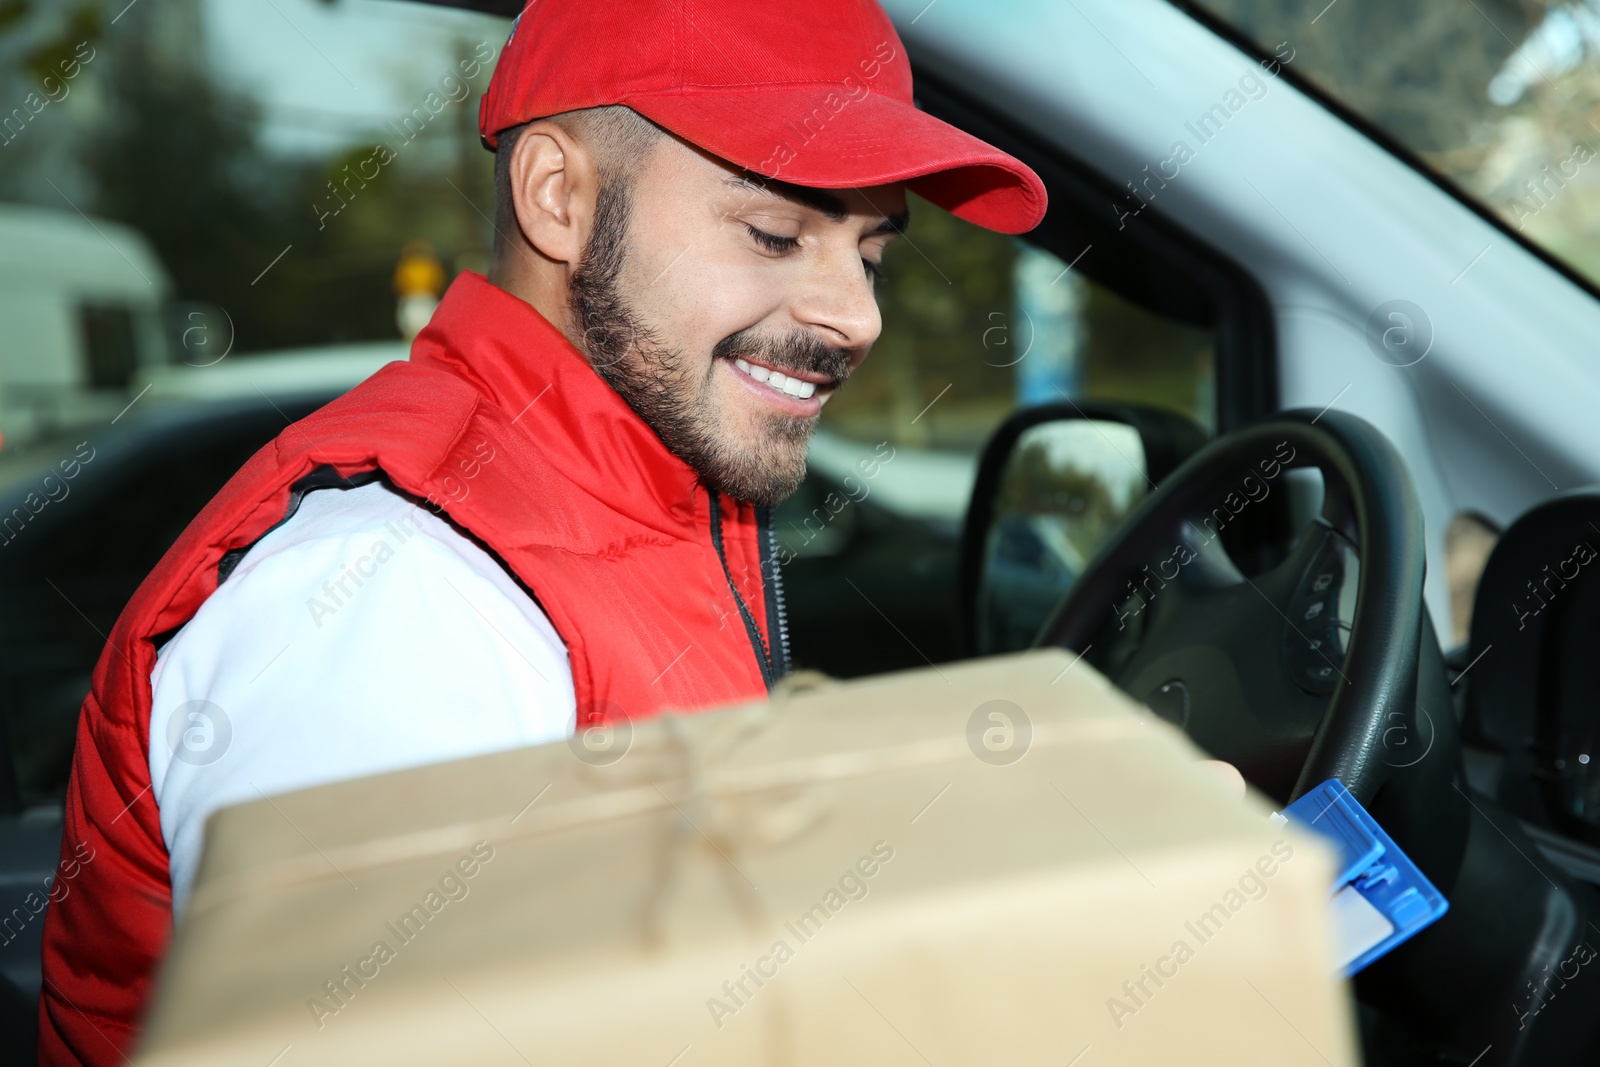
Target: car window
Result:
[1494, 96]
[975, 326]
[69, 567]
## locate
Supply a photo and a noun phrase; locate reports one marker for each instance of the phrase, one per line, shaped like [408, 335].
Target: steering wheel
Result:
[1294, 675]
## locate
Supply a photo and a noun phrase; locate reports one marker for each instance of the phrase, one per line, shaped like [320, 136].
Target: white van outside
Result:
[81, 301]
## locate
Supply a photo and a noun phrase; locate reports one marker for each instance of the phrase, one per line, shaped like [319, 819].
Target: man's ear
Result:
[554, 183]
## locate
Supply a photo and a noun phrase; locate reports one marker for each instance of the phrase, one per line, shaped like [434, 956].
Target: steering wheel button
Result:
[1315, 609]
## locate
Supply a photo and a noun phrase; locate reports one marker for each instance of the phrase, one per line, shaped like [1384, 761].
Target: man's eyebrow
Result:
[832, 207]
[895, 223]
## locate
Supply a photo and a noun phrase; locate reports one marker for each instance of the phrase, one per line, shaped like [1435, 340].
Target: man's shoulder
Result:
[373, 519]
[337, 513]
[352, 577]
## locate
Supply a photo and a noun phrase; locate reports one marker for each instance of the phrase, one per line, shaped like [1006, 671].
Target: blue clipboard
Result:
[1379, 899]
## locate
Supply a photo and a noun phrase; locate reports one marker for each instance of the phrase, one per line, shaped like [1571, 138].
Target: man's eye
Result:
[874, 270]
[771, 241]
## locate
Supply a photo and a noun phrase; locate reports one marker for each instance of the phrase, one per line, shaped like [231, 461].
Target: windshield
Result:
[1500, 97]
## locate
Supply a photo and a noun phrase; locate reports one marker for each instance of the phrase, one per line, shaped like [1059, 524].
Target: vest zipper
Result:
[777, 614]
[770, 670]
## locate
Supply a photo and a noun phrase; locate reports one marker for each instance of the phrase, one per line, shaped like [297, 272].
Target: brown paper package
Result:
[998, 862]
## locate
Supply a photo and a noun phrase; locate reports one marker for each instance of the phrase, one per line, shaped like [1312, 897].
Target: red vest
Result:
[501, 423]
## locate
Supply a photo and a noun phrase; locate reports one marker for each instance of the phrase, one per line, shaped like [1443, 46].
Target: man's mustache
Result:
[798, 351]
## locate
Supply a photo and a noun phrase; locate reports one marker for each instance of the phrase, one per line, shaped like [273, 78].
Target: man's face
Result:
[726, 310]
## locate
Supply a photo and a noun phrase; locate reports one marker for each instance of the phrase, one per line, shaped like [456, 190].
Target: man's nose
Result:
[838, 301]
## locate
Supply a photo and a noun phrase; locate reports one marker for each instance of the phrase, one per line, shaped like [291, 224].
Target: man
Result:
[556, 514]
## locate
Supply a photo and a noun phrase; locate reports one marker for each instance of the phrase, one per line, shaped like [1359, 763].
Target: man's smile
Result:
[800, 393]
[799, 384]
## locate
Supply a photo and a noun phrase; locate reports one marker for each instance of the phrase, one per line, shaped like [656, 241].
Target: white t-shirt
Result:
[362, 636]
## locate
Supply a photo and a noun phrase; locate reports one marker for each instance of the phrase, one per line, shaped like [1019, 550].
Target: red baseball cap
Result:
[815, 93]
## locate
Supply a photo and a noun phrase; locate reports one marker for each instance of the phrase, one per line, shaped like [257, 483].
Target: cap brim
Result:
[820, 137]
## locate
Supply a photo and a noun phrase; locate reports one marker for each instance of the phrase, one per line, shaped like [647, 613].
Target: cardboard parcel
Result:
[998, 862]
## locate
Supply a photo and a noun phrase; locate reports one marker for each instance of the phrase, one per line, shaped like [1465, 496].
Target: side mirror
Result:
[1054, 481]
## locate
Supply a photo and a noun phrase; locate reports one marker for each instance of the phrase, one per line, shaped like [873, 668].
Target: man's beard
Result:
[653, 377]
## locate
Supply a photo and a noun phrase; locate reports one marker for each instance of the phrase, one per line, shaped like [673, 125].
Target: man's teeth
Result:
[777, 380]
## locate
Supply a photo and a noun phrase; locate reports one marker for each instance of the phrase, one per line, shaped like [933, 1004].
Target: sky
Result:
[327, 75]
